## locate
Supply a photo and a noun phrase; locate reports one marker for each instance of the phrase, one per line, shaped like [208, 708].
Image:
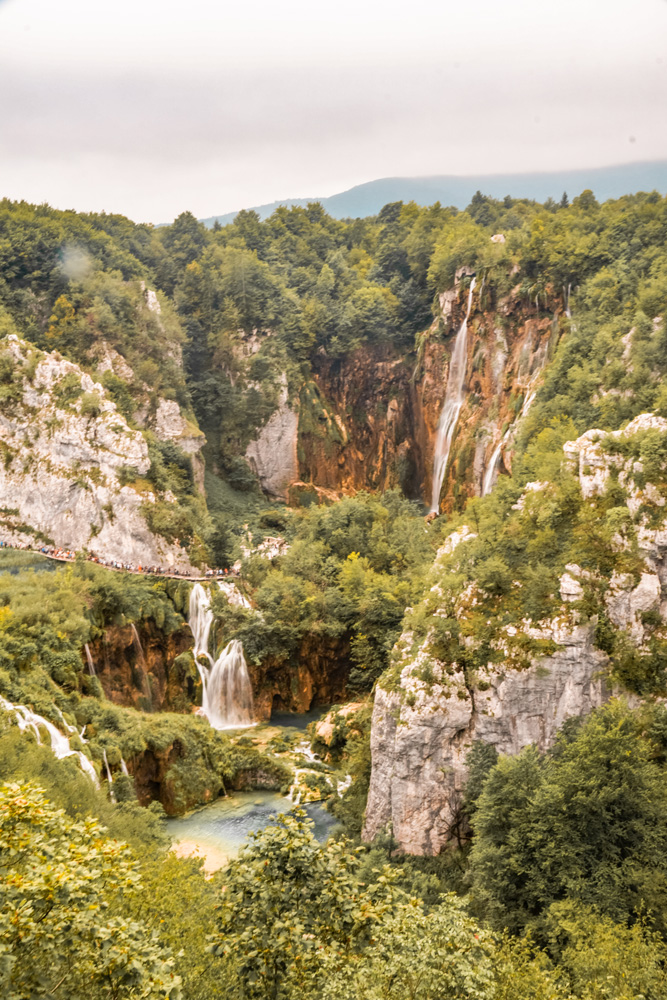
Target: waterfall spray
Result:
[454, 397]
[226, 690]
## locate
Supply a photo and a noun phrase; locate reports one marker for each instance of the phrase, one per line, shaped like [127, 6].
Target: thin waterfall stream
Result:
[141, 659]
[454, 396]
[490, 473]
[226, 690]
[89, 660]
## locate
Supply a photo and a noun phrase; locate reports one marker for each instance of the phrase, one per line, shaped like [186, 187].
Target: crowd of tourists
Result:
[68, 555]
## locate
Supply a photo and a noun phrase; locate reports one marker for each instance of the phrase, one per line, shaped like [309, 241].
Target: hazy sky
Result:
[150, 107]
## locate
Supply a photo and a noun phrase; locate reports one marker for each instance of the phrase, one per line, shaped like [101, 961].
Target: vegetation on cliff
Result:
[560, 891]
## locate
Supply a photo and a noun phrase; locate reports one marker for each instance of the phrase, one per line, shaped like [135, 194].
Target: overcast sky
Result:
[150, 107]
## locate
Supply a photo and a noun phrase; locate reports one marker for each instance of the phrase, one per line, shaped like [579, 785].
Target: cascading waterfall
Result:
[200, 620]
[29, 720]
[123, 767]
[89, 658]
[226, 690]
[454, 397]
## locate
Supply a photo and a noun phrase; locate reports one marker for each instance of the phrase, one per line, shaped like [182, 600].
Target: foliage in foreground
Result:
[586, 821]
[56, 933]
[294, 918]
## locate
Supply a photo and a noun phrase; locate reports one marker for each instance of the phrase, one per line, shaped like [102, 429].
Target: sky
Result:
[152, 107]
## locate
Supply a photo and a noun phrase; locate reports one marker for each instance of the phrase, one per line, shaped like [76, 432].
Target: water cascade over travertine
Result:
[226, 689]
[29, 721]
[109, 779]
[454, 396]
[490, 472]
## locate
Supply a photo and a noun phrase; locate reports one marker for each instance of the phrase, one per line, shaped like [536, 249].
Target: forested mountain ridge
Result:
[368, 199]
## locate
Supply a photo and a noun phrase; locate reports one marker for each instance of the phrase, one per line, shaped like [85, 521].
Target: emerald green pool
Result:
[218, 831]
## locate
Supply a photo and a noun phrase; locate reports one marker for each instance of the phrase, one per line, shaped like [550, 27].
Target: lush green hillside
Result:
[552, 881]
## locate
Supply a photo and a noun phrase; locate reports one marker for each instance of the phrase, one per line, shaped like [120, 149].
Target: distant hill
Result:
[368, 199]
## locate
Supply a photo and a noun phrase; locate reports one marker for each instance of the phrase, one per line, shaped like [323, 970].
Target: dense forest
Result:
[552, 883]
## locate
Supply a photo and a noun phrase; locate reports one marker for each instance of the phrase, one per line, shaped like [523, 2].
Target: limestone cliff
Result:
[430, 710]
[317, 677]
[273, 455]
[368, 420]
[508, 345]
[139, 667]
[419, 751]
[66, 449]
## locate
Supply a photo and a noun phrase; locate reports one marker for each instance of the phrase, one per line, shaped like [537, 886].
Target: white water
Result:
[490, 471]
[89, 658]
[123, 767]
[29, 720]
[233, 594]
[226, 691]
[137, 642]
[296, 790]
[106, 764]
[454, 397]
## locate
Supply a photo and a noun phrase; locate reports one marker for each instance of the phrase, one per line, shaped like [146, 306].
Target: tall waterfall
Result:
[452, 406]
[226, 690]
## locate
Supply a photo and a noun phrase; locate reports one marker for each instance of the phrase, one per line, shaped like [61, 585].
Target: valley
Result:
[361, 521]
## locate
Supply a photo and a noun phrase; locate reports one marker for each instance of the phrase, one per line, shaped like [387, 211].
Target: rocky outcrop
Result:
[66, 451]
[170, 425]
[360, 424]
[140, 668]
[273, 455]
[419, 752]
[427, 713]
[317, 676]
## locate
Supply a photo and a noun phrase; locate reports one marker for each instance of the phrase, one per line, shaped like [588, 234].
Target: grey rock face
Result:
[421, 734]
[419, 753]
[273, 456]
[61, 470]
